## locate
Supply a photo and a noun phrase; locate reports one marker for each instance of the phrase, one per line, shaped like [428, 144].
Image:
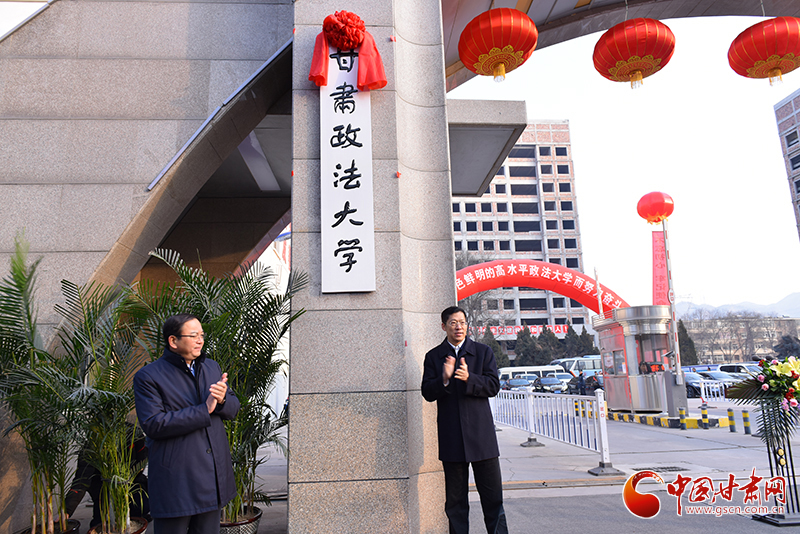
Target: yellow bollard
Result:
[704, 411]
[682, 411]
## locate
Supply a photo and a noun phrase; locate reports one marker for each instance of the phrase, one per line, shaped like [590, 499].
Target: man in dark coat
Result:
[181, 401]
[461, 375]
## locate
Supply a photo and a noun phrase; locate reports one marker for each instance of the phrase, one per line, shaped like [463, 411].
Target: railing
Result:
[712, 390]
[578, 420]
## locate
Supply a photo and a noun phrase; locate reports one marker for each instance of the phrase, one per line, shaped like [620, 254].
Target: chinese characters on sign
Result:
[704, 490]
[348, 229]
[513, 330]
[660, 281]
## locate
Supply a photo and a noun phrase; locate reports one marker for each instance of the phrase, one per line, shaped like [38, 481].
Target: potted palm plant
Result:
[245, 317]
[76, 396]
[34, 393]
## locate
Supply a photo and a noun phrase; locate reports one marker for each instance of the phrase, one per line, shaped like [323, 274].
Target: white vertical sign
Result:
[347, 219]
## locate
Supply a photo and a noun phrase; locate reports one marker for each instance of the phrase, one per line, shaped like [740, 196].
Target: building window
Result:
[548, 188]
[544, 150]
[488, 245]
[486, 226]
[523, 189]
[499, 189]
[456, 208]
[561, 151]
[456, 226]
[472, 226]
[469, 207]
[570, 243]
[534, 322]
[502, 207]
[491, 304]
[501, 171]
[795, 161]
[533, 304]
[558, 302]
[561, 320]
[547, 169]
[572, 263]
[566, 206]
[551, 225]
[791, 139]
[523, 151]
[526, 171]
[505, 245]
[502, 226]
[527, 226]
[562, 169]
[797, 187]
[528, 245]
[568, 224]
[556, 261]
[552, 243]
[486, 207]
[525, 208]
[508, 304]
[564, 187]
[458, 245]
[550, 206]
[575, 304]
[472, 245]
[488, 190]
[577, 320]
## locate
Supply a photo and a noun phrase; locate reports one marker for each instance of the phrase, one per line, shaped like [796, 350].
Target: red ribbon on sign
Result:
[344, 28]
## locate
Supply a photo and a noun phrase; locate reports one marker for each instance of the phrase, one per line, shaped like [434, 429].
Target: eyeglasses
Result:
[454, 324]
[192, 336]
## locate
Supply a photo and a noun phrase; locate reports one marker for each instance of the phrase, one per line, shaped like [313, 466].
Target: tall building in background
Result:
[529, 211]
[787, 113]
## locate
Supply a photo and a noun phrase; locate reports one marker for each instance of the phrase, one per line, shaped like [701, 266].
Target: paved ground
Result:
[549, 488]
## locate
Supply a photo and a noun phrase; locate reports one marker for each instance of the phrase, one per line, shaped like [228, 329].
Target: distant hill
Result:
[788, 306]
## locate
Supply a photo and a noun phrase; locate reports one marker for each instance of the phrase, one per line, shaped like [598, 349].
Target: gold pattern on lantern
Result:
[766, 68]
[507, 56]
[647, 65]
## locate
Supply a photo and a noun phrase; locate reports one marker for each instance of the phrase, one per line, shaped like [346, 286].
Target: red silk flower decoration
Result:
[347, 31]
[344, 30]
[655, 207]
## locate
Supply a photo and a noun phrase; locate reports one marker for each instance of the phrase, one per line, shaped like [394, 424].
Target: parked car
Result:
[746, 368]
[692, 380]
[517, 384]
[592, 382]
[722, 376]
[564, 377]
[548, 384]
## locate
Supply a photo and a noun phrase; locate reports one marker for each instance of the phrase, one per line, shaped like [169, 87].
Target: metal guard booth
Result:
[638, 366]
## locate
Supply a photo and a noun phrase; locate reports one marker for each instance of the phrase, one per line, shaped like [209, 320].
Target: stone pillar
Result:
[363, 441]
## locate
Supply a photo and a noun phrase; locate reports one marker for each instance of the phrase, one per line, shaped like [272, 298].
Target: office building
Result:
[787, 114]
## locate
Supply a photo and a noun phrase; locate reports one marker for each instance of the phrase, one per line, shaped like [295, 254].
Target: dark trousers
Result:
[489, 484]
[207, 523]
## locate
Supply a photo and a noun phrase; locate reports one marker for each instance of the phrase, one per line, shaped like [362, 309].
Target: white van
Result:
[589, 364]
[538, 370]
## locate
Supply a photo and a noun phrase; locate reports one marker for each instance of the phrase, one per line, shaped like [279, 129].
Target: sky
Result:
[695, 130]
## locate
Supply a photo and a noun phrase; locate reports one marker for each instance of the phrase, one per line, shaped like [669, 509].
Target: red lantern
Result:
[655, 207]
[497, 41]
[768, 49]
[633, 50]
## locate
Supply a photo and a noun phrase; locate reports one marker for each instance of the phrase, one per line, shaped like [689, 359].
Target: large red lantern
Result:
[655, 207]
[633, 50]
[497, 41]
[768, 49]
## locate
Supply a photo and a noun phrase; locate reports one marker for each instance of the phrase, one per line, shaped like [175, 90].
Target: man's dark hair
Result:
[449, 312]
[173, 325]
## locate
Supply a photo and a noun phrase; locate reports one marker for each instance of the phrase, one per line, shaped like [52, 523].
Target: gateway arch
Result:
[126, 126]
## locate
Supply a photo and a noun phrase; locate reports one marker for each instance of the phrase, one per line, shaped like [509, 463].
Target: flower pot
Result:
[248, 525]
[138, 525]
[73, 527]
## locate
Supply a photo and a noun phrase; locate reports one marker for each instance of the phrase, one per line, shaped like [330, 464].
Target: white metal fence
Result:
[578, 420]
[712, 390]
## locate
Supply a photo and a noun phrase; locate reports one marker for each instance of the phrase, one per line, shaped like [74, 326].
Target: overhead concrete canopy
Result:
[562, 20]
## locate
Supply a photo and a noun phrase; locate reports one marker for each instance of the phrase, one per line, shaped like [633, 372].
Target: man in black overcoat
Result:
[461, 375]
